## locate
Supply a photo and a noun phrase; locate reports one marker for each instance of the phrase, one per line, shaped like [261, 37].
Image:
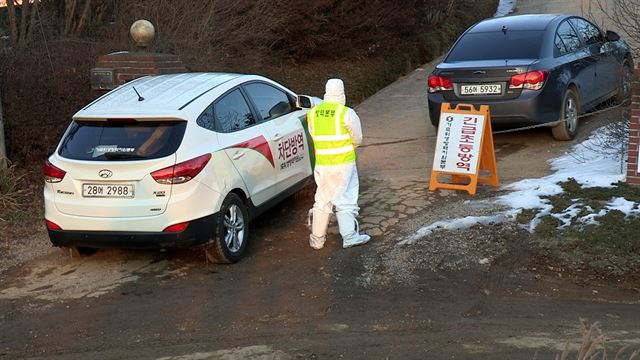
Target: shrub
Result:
[11, 195]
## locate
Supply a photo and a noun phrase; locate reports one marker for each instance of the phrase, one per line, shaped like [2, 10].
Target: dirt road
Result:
[436, 299]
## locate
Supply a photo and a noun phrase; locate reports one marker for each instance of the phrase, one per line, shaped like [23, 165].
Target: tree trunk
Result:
[3, 148]
[69, 15]
[32, 24]
[84, 18]
[23, 23]
[101, 9]
[13, 24]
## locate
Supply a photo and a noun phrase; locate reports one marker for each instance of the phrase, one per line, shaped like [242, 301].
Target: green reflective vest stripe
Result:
[331, 138]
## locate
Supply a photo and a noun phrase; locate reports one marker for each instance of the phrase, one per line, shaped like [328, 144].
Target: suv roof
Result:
[164, 95]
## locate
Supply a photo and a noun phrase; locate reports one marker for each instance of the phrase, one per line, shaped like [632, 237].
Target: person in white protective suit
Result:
[336, 132]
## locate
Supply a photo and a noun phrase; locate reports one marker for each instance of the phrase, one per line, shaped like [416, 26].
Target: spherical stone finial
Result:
[142, 32]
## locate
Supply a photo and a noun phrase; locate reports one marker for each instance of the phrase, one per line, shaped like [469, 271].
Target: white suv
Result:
[175, 161]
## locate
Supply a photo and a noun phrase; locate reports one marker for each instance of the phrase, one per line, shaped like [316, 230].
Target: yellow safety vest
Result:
[330, 135]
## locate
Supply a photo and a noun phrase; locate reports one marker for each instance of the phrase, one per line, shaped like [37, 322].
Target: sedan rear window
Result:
[122, 140]
[498, 45]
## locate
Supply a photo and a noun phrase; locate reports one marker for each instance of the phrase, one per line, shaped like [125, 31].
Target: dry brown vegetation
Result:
[52, 44]
[593, 346]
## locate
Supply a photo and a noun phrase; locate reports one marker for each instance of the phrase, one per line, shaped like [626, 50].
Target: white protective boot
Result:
[319, 224]
[349, 230]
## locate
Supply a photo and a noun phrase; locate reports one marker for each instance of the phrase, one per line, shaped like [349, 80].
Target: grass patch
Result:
[526, 215]
[572, 189]
[594, 346]
[612, 246]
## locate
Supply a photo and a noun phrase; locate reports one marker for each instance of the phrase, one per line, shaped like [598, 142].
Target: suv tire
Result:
[231, 232]
[77, 251]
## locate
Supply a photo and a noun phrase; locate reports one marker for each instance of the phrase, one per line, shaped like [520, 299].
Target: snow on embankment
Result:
[505, 7]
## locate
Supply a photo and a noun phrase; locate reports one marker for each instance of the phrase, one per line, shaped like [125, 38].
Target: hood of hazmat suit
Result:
[334, 91]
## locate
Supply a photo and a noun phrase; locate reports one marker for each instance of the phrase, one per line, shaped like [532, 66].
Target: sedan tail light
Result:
[532, 80]
[438, 83]
[52, 174]
[182, 172]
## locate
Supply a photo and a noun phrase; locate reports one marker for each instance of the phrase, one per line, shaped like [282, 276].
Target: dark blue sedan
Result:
[533, 69]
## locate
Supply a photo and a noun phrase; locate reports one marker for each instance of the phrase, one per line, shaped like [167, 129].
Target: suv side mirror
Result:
[612, 36]
[304, 102]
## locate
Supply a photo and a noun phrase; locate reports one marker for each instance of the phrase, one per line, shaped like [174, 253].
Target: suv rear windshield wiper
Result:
[120, 155]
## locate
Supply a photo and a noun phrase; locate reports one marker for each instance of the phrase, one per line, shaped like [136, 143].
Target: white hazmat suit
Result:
[338, 184]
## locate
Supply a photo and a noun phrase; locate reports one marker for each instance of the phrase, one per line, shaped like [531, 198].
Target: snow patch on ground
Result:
[460, 224]
[505, 7]
[588, 167]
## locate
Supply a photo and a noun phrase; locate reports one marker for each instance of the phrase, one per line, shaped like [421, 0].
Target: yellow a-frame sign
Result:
[464, 149]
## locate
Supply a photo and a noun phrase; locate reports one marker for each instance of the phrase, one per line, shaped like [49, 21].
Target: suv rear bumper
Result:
[199, 232]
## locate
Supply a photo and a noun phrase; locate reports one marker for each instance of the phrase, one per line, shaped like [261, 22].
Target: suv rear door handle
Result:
[238, 155]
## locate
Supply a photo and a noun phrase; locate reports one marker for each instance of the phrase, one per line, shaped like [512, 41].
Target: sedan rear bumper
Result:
[198, 232]
[531, 107]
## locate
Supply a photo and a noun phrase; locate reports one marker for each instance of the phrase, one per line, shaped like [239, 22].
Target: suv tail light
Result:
[182, 172]
[438, 83]
[52, 174]
[532, 80]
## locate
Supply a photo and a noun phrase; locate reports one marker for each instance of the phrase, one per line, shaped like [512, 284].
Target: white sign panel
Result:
[458, 145]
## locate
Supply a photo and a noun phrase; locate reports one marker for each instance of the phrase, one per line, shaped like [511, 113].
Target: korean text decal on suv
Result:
[189, 162]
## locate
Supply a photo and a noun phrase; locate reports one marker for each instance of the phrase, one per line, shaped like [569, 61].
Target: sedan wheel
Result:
[568, 126]
[232, 230]
[624, 88]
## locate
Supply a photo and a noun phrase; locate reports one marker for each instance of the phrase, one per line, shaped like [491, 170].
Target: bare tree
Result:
[21, 30]
[23, 22]
[81, 14]
[624, 15]
[3, 148]
[13, 23]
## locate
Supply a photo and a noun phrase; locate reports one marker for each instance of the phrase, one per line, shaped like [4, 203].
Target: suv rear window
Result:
[122, 140]
[497, 46]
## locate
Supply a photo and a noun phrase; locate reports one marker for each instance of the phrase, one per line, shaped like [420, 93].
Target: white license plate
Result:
[481, 89]
[107, 191]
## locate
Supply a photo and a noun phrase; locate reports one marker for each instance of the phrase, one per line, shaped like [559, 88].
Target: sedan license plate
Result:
[107, 191]
[481, 89]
